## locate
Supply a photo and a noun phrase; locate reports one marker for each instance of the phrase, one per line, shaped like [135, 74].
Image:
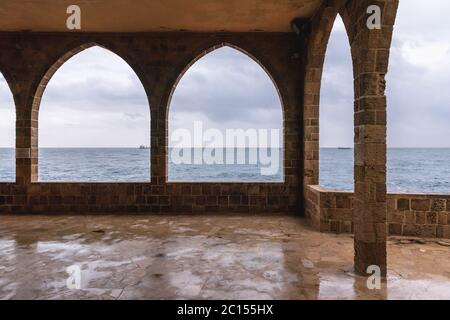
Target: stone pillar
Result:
[370, 51]
[159, 131]
[317, 44]
[26, 141]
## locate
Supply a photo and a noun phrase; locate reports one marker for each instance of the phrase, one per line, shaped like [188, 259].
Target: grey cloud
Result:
[96, 80]
[134, 116]
[336, 104]
[226, 85]
[418, 98]
[94, 92]
[228, 88]
[6, 97]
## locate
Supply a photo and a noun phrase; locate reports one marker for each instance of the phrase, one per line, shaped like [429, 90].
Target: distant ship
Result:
[344, 148]
[143, 147]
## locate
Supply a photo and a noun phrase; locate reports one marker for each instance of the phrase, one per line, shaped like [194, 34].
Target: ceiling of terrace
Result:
[156, 15]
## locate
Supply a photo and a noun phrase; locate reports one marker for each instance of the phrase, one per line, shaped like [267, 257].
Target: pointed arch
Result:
[53, 67]
[337, 112]
[97, 103]
[217, 47]
[207, 98]
[322, 26]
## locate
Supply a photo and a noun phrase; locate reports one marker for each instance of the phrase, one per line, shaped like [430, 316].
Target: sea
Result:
[409, 169]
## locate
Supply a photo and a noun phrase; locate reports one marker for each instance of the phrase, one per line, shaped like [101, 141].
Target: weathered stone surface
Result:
[204, 257]
[403, 204]
[400, 220]
[420, 204]
[438, 205]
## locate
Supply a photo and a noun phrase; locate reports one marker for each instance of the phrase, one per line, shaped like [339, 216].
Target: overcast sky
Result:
[95, 99]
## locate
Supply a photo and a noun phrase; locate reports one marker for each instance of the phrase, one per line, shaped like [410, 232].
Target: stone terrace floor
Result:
[203, 257]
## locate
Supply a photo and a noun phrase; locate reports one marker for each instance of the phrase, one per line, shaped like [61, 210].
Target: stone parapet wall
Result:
[418, 215]
[183, 198]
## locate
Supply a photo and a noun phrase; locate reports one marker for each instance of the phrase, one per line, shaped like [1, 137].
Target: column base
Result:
[368, 254]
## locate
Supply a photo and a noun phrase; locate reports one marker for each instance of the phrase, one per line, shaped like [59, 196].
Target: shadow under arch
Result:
[187, 65]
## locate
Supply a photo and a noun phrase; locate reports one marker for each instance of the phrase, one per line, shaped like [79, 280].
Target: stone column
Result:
[26, 141]
[370, 51]
[317, 41]
[159, 131]
[321, 26]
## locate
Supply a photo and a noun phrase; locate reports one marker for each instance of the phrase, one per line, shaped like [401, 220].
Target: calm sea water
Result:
[409, 170]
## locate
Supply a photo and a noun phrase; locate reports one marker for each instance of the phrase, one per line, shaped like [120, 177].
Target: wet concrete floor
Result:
[202, 257]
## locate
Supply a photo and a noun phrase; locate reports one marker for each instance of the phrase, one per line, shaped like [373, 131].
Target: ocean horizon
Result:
[409, 169]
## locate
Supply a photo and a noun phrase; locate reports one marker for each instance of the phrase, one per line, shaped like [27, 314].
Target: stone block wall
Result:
[29, 60]
[416, 215]
[182, 198]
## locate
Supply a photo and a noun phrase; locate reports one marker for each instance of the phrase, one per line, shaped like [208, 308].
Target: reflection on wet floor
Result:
[210, 257]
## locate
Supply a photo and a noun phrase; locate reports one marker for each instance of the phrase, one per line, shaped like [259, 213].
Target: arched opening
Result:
[7, 133]
[225, 122]
[93, 117]
[419, 100]
[336, 113]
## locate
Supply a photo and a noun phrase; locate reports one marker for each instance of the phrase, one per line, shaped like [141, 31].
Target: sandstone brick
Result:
[396, 217]
[410, 217]
[412, 230]
[442, 218]
[223, 201]
[344, 214]
[325, 226]
[328, 200]
[429, 231]
[335, 226]
[403, 204]
[347, 227]
[342, 202]
[391, 204]
[421, 217]
[431, 218]
[235, 200]
[211, 200]
[443, 232]
[395, 229]
[420, 204]
[438, 205]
